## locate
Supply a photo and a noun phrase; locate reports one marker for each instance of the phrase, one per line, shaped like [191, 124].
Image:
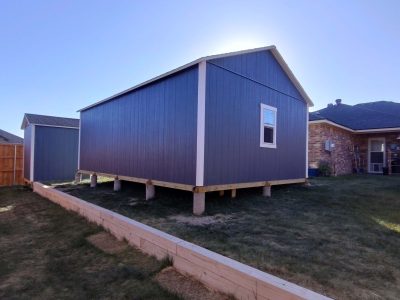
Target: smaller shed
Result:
[50, 148]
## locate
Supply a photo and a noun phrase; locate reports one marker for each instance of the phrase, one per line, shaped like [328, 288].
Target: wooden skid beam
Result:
[198, 189]
[171, 185]
[233, 186]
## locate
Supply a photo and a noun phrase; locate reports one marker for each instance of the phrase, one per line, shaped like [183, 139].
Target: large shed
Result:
[219, 123]
[50, 147]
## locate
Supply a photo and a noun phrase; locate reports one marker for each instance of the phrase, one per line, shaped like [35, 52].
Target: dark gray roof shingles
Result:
[373, 115]
[9, 138]
[51, 121]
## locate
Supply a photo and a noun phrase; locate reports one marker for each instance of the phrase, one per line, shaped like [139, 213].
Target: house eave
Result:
[357, 131]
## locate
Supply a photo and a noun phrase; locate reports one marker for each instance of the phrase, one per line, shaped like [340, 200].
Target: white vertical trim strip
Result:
[32, 160]
[79, 143]
[201, 116]
[307, 137]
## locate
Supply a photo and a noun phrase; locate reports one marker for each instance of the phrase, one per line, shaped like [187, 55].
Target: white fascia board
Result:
[359, 131]
[56, 126]
[378, 130]
[272, 48]
[330, 123]
[291, 76]
[201, 113]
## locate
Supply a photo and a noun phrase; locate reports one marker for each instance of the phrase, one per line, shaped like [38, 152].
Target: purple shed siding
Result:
[235, 87]
[146, 133]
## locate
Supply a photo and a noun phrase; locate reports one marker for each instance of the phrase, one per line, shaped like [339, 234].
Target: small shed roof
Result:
[272, 48]
[49, 121]
[9, 138]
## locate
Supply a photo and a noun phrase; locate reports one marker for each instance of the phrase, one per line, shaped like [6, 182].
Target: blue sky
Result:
[59, 56]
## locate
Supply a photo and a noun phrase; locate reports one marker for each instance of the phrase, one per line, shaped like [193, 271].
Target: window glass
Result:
[268, 135]
[269, 117]
[268, 126]
[377, 146]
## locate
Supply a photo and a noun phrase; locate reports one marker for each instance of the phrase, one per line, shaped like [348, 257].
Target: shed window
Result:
[268, 126]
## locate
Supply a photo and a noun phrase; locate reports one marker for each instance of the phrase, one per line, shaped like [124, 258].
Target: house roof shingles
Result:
[373, 115]
[9, 138]
[49, 121]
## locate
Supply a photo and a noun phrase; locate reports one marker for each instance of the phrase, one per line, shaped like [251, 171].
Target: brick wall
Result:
[341, 157]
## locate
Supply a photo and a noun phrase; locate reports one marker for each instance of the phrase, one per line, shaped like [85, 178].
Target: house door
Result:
[376, 155]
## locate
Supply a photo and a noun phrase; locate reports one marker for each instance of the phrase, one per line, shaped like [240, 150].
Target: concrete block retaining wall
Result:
[214, 270]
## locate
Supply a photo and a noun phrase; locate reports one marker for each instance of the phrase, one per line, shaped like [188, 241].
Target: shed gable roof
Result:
[363, 116]
[9, 138]
[49, 121]
[272, 49]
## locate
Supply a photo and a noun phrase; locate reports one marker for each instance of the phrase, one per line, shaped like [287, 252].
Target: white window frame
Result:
[275, 110]
[369, 153]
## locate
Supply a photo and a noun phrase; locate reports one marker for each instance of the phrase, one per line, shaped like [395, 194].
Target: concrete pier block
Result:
[78, 177]
[199, 203]
[221, 193]
[150, 191]
[93, 180]
[233, 193]
[117, 185]
[267, 191]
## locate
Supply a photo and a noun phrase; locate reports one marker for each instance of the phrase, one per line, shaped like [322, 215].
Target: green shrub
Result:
[324, 169]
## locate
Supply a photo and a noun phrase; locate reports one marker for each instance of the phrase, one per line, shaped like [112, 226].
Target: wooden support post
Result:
[267, 191]
[117, 184]
[93, 180]
[221, 193]
[199, 203]
[233, 195]
[150, 191]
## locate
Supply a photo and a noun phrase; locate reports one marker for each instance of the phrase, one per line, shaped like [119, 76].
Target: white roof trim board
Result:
[272, 48]
[41, 121]
[377, 130]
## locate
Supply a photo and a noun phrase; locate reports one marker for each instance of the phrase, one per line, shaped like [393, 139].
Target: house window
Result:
[268, 126]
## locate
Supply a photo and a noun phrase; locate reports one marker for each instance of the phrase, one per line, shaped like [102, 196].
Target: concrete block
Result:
[150, 191]
[117, 185]
[93, 180]
[78, 177]
[267, 191]
[199, 203]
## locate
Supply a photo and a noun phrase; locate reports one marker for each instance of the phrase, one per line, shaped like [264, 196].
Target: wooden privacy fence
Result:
[11, 164]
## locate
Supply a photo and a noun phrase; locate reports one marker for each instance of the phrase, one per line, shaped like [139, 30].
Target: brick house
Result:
[360, 138]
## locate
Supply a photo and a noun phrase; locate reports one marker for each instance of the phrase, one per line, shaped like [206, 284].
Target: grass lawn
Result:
[44, 254]
[339, 237]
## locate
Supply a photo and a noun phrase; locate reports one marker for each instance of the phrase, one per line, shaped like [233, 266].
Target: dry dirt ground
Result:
[49, 253]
